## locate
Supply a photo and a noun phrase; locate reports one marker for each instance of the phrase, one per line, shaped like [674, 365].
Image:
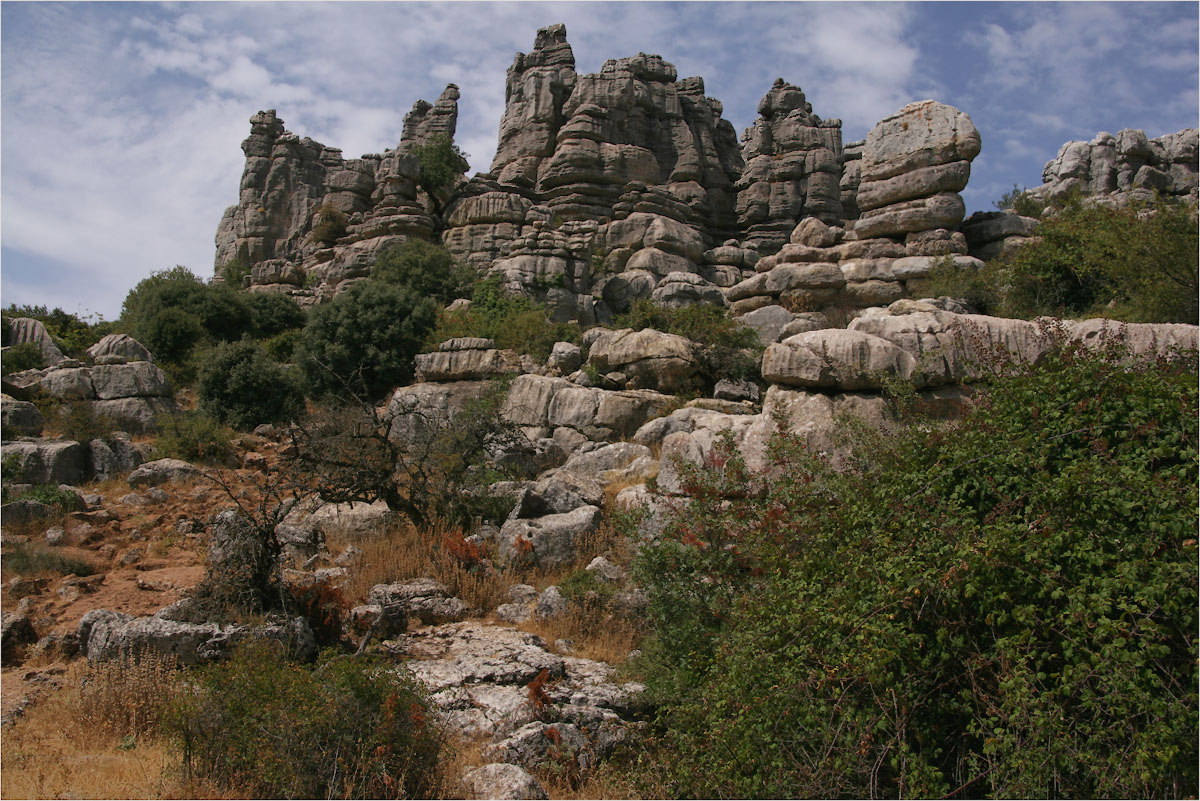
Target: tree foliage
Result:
[1004, 606]
[441, 165]
[426, 268]
[242, 386]
[362, 343]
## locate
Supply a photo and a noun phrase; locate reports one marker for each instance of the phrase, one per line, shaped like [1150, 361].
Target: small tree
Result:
[240, 385]
[441, 165]
[424, 267]
[425, 463]
[363, 342]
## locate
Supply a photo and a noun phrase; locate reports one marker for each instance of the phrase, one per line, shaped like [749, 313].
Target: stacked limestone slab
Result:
[603, 185]
[793, 168]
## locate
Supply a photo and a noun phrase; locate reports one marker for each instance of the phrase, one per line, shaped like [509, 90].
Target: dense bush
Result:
[512, 321]
[424, 267]
[728, 349]
[441, 165]
[271, 314]
[346, 728]
[221, 310]
[364, 340]
[26, 356]
[241, 386]
[171, 334]
[1005, 606]
[329, 225]
[1089, 260]
[194, 437]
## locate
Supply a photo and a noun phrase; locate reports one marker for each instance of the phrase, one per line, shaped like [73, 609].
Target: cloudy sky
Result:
[120, 123]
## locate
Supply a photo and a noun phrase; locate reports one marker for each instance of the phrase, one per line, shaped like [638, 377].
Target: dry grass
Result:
[597, 634]
[94, 739]
[403, 552]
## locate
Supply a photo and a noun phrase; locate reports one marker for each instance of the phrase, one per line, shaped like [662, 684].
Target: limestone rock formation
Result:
[1125, 168]
[793, 168]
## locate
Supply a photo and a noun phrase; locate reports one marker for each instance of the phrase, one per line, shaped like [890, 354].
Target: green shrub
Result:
[348, 728]
[513, 321]
[1019, 201]
[171, 334]
[221, 310]
[235, 272]
[74, 419]
[441, 165]
[241, 386]
[1001, 607]
[329, 225]
[352, 728]
[272, 314]
[980, 288]
[31, 560]
[422, 266]
[282, 347]
[364, 340]
[194, 437]
[727, 349]
[26, 356]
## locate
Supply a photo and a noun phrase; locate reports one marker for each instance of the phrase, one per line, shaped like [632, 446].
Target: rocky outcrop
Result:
[105, 638]
[1124, 169]
[131, 394]
[23, 330]
[306, 216]
[793, 168]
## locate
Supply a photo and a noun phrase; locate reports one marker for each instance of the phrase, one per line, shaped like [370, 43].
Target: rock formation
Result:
[1126, 168]
[793, 168]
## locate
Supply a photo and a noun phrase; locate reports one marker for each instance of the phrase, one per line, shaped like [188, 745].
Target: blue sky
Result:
[120, 123]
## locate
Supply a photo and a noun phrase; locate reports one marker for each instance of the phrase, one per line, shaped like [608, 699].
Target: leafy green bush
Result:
[512, 321]
[234, 272]
[74, 419]
[347, 728]
[441, 165]
[1019, 201]
[329, 225]
[364, 340]
[1000, 607]
[728, 349]
[171, 334]
[271, 314]
[26, 356]
[194, 437]
[221, 310]
[241, 386]
[424, 267]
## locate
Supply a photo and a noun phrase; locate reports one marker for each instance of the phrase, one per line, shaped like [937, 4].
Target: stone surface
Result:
[20, 418]
[118, 349]
[549, 541]
[501, 780]
[836, 359]
[22, 330]
[49, 461]
[115, 637]
[162, 471]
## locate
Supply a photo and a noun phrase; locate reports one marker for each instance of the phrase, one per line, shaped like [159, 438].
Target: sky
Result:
[121, 123]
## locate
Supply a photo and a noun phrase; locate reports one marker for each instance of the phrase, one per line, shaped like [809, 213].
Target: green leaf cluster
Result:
[1002, 606]
[240, 385]
[513, 321]
[362, 343]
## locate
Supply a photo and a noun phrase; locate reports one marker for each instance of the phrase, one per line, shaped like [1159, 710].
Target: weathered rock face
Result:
[22, 330]
[291, 186]
[793, 168]
[1125, 168]
[131, 394]
[628, 169]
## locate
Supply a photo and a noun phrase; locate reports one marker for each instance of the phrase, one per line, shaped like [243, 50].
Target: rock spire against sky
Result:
[121, 122]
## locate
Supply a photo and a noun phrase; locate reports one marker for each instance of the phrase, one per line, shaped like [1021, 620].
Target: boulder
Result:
[133, 380]
[425, 599]
[111, 638]
[836, 359]
[463, 364]
[549, 541]
[50, 461]
[163, 471]
[22, 330]
[118, 349]
[20, 418]
[137, 415]
[652, 359]
[501, 780]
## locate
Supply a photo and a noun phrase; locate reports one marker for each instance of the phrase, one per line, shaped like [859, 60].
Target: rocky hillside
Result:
[606, 189]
